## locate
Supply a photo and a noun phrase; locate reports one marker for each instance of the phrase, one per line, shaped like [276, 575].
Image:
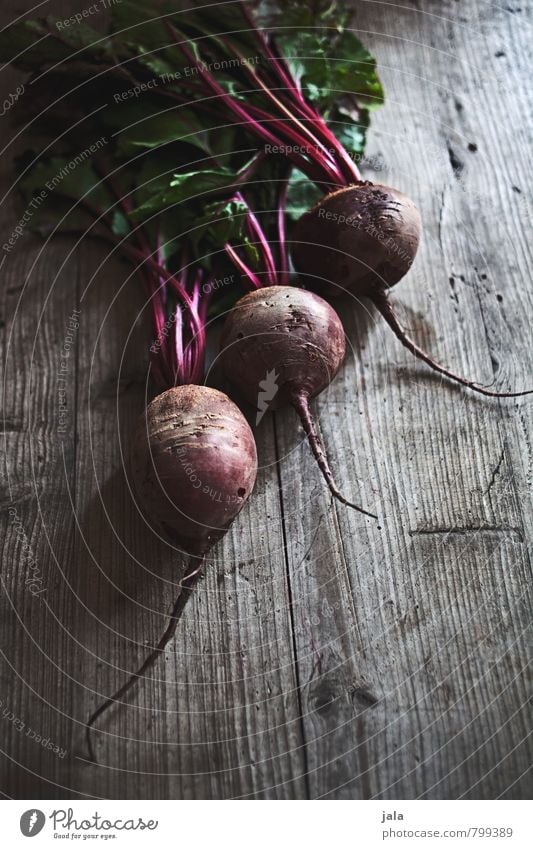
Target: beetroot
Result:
[194, 465]
[294, 340]
[360, 239]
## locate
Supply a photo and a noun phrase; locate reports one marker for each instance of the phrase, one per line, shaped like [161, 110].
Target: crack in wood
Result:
[495, 472]
[364, 697]
[469, 529]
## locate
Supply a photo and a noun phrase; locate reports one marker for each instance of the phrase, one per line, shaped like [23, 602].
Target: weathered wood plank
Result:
[412, 642]
[38, 297]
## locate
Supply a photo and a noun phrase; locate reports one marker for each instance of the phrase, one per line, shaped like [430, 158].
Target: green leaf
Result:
[301, 196]
[146, 125]
[145, 27]
[65, 178]
[219, 22]
[351, 129]
[353, 70]
[188, 186]
[202, 182]
[252, 255]
[31, 45]
[219, 223]
[49, 195]
[119, 224]
[140, 23]
[328, 68]
[219, 19]
[152, 178]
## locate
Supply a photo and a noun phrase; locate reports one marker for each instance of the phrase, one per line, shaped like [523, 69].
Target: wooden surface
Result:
[321, 657]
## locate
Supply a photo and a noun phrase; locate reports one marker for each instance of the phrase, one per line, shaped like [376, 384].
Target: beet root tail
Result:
[190, 579]
[383, 305]
[301, 405]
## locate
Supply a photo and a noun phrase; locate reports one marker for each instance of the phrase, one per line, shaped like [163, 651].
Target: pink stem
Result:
[283, 254]
[280, 105]
[241, 265]
[280, 68]
[246, 116]
[162, 360]
[282, 72]
[318, 169]
[256, 230]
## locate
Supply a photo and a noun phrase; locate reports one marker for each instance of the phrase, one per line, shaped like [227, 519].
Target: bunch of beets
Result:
[218, 143]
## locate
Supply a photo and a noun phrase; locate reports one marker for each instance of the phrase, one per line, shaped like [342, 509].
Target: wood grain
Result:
[323, 656]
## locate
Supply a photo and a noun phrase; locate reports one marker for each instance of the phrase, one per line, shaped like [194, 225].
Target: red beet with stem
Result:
[363, 240]
[194, 458]
[293, 340]
[194, 466]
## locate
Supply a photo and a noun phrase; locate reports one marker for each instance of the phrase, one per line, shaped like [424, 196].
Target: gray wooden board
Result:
[321, 656]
